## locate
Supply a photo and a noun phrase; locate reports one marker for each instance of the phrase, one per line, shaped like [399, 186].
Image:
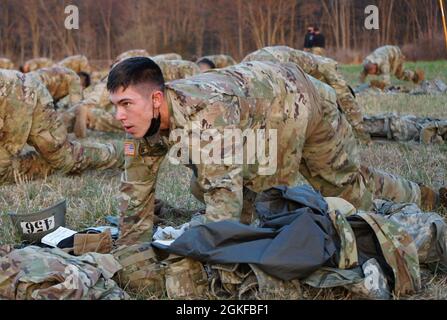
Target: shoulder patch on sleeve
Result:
[129, 148]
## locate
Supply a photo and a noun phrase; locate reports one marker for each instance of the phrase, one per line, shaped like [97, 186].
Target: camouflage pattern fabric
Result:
[396, 127]
[427, 229]
[374, 285]
[323, 69]
[78, 63]
[318, 51]
[314, 139]
[6, 63]
[130, 54]
[140, 269]
[434, 132]
[60, 82]
[166, 56]
[399, 251]
[389, 61]
[35, 122]
[37, 63]
[431, 87]
[174, 277]
[186, 279]
[98, 76]
[144, 53]
[219, 60]
[177, 69]
[348, 246]
[51, 274]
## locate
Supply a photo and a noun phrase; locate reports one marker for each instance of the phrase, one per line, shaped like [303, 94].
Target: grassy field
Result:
[90, 197]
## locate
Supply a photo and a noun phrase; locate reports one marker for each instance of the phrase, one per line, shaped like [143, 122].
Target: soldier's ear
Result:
[157, 99]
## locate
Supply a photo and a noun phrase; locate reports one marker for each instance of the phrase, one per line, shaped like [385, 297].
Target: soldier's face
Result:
[134, 109]
[204, 67]
[372, 69]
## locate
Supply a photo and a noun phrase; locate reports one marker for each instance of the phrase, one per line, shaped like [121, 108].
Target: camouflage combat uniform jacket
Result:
[321, 68]
[389, 61]
[61, 82]
[313, 139]
[78, 63]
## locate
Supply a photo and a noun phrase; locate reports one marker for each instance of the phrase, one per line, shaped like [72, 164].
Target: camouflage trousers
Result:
[406, 128]
[362, 187]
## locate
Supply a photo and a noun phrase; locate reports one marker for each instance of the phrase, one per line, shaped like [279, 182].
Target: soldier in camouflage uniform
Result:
[34, 273]
[219, 60]
[130, 54]
[313, 138]
[27, 116]
[144, 53]
[35, 64]
[96, 112]
[167, 56]
[6, 63]
[323, 69]
[61, 82]
[391, 126]
[78, 64]
[387, 61]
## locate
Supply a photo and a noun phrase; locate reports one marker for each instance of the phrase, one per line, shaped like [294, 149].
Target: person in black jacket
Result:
[318, 42]
[308, 39]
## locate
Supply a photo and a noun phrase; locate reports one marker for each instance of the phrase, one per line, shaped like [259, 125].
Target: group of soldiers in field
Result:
[302, 95]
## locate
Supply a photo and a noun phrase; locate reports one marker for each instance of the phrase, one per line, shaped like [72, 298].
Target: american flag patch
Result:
[129, 148]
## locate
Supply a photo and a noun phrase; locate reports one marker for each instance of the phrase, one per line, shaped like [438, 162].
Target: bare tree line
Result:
[32, 28]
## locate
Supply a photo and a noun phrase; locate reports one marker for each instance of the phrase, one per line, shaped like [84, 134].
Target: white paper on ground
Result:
[164, 242]
[53, 238]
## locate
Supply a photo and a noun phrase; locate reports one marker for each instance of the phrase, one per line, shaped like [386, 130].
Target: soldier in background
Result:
[313, 139]
[391, 126]
[77, 63]
[386, 61]
[6, 63]
[80, 65]
[61, 82]
[27, 116]
[35, 64]
[205, 64]
[219, 60]
[323, 69]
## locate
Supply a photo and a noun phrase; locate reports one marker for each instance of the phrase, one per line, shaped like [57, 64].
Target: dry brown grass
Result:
[90, 197]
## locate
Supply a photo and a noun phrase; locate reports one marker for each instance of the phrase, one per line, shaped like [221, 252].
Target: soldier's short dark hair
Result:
[85, 77]
[207, 62]
[135, 71]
